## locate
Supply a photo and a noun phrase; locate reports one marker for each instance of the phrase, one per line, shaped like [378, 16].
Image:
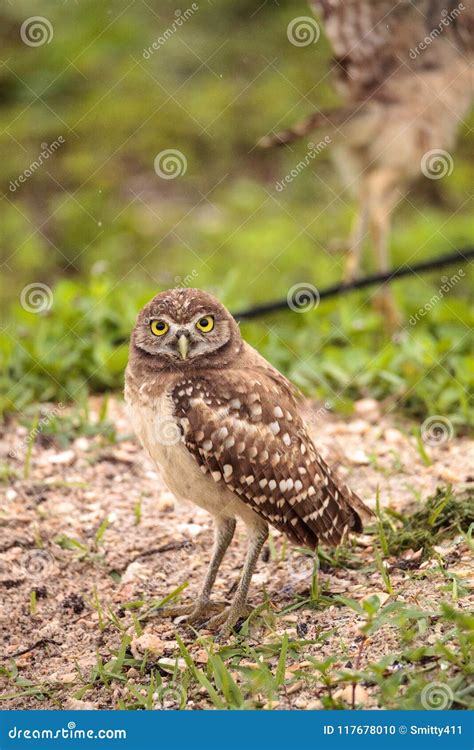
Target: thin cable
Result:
[461, 256]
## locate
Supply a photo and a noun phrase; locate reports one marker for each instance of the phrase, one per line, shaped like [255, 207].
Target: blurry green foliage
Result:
[337, 354]
[105, 232]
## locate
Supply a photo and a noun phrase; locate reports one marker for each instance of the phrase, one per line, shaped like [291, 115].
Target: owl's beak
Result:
[183, 346]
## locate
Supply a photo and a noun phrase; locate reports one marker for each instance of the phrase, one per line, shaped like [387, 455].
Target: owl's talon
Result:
[351, 268]
[176, 611]
[191, 613]
[387, 307]
[225, 621]
[201, 612]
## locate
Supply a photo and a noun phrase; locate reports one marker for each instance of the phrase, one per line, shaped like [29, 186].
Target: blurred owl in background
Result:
[405, 71]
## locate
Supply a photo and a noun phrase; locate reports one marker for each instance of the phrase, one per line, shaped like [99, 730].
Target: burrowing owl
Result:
[405, 71]
[223, 427]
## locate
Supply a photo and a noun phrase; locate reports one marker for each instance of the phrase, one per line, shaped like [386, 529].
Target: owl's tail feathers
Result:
[349, 518]
[359, 513]
[329, 120]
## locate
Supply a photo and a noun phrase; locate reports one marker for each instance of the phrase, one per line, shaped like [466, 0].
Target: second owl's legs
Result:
[258, 533]
[382, 196]
[356, 240]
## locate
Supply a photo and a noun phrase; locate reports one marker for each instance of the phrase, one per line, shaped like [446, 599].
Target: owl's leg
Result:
[203, 607]
[224, 532]
[382, 199]
[356, 240]
[258, 534]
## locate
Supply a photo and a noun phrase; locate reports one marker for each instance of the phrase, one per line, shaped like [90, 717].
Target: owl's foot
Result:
[351, 267]
[225, 621]
[385, 304]
[161, 612]
[203, 611]
[192, 613]
[338, 246]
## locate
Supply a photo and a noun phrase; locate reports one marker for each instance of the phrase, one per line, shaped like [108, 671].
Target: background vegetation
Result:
[105, 232]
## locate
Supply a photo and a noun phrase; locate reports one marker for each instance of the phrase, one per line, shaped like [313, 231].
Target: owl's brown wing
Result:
[244, 430]
[373, 40]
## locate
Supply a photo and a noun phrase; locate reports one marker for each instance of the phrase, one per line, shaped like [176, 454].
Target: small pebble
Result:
[358, 458]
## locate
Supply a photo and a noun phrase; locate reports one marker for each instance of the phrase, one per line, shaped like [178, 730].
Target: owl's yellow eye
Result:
[159, 327]
[205, 324]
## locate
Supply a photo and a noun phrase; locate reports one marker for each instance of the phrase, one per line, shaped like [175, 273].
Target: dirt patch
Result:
[93, 528]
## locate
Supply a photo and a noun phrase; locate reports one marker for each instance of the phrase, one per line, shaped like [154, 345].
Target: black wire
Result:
[461, 256]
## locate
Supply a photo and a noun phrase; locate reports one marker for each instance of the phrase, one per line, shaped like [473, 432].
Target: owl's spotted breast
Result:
[161, 431]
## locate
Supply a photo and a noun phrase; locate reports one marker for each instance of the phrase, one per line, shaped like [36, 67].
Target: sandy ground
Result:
[146, 553]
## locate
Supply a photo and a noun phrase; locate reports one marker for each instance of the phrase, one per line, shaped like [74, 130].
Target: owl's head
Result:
[182, 328]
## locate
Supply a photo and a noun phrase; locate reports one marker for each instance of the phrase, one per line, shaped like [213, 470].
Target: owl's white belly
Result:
[160, 435]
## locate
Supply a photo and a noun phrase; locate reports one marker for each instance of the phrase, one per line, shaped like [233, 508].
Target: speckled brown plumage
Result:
[224, 428]
[378, 41]
[248, 434]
